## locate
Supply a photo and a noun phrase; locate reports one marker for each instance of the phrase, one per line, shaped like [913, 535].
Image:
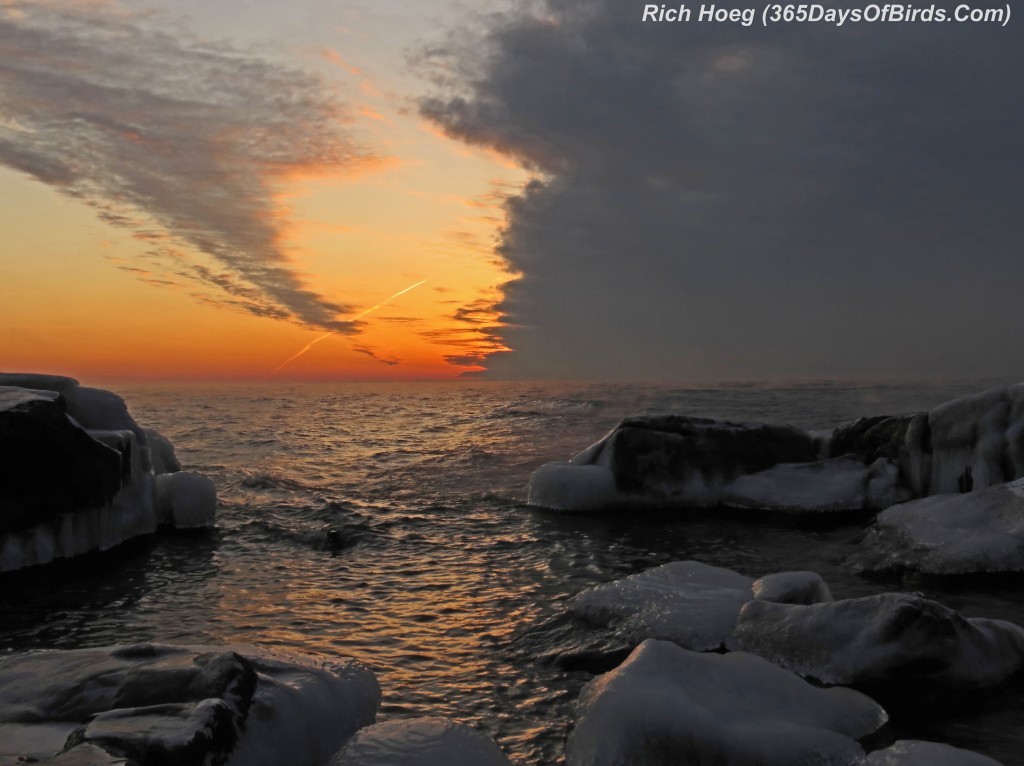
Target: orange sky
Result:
[86, 297]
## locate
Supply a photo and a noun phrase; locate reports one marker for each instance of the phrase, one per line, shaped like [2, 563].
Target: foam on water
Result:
[387, 523]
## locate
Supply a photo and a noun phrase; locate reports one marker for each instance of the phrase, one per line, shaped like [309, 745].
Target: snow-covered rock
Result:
[78, 474]
[910, 752]
[689, 603]
[682, 462]
[877, 641]
[236, 705]
[666, 705]
[420, 742]
[949, 534]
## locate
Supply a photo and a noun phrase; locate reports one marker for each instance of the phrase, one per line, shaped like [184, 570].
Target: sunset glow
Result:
[171, 243]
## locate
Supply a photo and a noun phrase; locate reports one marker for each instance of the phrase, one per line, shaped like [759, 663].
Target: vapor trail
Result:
[313, 342]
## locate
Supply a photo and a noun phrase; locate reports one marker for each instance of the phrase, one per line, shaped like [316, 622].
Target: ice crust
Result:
[889, 639]
[949, 534]
[910, 752]
[678, 462]
[420, 742]
[689, 603]
[151, 490]
[237, 705]
[666, 705]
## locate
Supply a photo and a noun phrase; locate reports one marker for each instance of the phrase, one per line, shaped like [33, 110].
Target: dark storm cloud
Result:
[718, 200]
[149, 127]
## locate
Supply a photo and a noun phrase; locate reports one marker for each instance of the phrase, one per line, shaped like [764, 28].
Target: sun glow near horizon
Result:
[160, 282]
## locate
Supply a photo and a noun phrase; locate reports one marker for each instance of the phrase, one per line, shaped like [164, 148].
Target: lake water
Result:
[439, 577]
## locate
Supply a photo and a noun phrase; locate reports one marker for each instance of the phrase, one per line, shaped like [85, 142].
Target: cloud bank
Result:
[180, 140]
[724, 201]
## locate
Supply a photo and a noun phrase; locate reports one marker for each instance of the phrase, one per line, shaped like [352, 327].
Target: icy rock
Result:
[965, 444]
[48, 465]
[420, 742]
[161, 452]
[949, 534]
[838, 484]
[666, 705]
[682, 462]
[59, 384]
[78, 474]
[879, 641]
[689, 603]
[177, 704]
[676, 461]
[910, 752]
[185, 500]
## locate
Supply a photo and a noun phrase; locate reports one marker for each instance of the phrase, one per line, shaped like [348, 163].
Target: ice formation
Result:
[666, 705]
[876, 641]
[78, 474]
[910, 752]
[949, 534]
[150, 703]
[674, 461]
[689, 603]
[420, 742]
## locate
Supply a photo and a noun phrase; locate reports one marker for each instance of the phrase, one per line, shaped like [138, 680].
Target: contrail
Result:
[313, 342]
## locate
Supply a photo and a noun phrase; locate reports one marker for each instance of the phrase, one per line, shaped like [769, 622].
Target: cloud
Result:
[714, 200]
[165, 132]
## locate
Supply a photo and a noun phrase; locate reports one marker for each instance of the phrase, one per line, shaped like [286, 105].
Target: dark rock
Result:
[656, 450]
[48, 465]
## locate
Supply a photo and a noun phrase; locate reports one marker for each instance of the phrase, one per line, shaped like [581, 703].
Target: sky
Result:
[556, 189]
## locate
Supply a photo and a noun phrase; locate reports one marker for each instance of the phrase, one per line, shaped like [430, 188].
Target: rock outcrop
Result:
[680, 462]
[78, 474]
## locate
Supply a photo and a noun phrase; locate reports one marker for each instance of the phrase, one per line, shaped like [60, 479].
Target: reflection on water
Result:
[386, 523]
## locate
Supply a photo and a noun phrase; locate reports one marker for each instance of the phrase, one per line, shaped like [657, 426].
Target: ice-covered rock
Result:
[884, 640]
[48, 465]
[420, 742]
[666, 705]
[78, 474]
[949, 534]
[667, 461]
[236, 705]
[185, 500]
[689, 603]
[965, 444]
[910, 752]
[675, 461]
[836, 484]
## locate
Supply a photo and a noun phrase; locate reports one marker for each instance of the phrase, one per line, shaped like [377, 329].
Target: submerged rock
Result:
[78, 474]
[680, 462]
[158, 704]
[666, 705]
[949, 534]
[420, 742]
[891, 640]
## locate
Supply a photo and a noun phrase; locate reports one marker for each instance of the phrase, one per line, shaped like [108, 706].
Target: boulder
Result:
[949, 534]
[895, 640]
[168, 705]
[78, 474]
[666, 705]
[689, 603]
[909, 752]
[420, 742]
